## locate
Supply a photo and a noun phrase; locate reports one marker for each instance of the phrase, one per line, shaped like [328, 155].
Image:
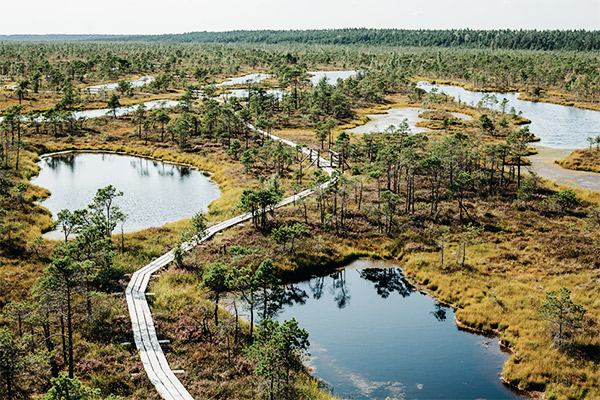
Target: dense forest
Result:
[572, 40]
[576, 75]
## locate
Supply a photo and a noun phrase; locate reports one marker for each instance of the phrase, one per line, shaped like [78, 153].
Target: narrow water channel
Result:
[557, 126]
[244, 80]
[374, 336]
[560, 129]
[124, 110]
[113, 85]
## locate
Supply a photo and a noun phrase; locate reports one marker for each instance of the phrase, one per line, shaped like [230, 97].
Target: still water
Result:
[557, 126]
[374, 336]
[153, 192]
[113, 85]
[396, 117]
[332, 76]
[314, 77]
[120, 111]
[244, 93]
[244, 80]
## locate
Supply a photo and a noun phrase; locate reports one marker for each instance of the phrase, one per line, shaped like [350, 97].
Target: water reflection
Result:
[293, 295]
[440, 312]
[340, 292]
[154, 192]
[387, 281]
[373, 336]
[316, 286]
[56, 163]
[556, 125]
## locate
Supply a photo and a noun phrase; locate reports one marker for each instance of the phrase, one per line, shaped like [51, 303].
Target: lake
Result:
[113, 85]
[124, 110]
[332, 76]
[153, 192]
[557, 126]
[244, 80]
[374, 336]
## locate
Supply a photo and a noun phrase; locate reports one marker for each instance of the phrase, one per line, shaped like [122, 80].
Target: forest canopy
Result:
[570, 40]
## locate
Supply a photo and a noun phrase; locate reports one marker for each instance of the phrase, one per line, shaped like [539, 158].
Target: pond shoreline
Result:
[534, 395]
[123, 153]
[305, 273]
[545, 164]
[520, 91]
[138, 223]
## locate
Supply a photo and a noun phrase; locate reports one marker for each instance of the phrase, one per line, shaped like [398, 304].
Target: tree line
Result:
[35, 67]
[572, 40]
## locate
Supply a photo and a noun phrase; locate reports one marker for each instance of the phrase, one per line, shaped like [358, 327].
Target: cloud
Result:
[418, 13]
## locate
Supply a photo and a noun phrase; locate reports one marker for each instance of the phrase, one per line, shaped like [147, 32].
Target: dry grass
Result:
[500, 289]
[525, 253]
[503, 286]
[560, 98]
[44, 101]
[582, 160]
[550, 96]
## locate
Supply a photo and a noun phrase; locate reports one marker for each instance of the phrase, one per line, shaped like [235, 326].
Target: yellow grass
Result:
[582, 160]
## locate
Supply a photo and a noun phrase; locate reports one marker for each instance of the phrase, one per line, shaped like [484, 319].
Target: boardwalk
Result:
[144, 332]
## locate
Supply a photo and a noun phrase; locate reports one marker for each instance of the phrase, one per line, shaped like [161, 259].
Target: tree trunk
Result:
[50, 346]
[63, 339]
[217, 310]
[518, 172]
[70, 333]
[251, 315]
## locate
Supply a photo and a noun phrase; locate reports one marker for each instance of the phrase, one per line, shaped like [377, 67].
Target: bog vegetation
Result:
[456, 205]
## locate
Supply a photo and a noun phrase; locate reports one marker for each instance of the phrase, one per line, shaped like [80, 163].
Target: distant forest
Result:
[570, 40]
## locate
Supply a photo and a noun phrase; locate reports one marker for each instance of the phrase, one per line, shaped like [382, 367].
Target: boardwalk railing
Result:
[144, 332]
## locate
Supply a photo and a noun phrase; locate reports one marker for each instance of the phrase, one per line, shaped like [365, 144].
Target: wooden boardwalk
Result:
[144, 332]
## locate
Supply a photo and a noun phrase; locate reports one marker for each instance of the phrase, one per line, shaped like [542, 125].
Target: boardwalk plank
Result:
[144, 332]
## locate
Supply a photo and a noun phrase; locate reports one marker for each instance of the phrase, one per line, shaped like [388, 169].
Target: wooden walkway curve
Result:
[144, 331]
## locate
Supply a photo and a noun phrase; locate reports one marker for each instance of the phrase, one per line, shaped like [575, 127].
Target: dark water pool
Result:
[373, 336]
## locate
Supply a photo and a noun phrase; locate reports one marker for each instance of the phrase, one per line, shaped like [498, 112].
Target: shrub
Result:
[562, 201]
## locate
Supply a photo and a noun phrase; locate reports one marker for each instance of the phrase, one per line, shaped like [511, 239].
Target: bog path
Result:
[144, 332]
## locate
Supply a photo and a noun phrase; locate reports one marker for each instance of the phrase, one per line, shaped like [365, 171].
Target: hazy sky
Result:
[176, 16]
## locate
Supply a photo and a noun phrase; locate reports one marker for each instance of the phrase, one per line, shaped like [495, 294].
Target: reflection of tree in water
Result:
[387, 281]
[269, 303]
[184, 172]
[56, 162]
[141, 166]
[339, 289]
[277, 298]
[292, 295]
[316, 286]
[440, 311]
[165, 170]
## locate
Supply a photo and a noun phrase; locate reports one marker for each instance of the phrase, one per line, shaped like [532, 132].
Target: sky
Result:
[177, 16]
